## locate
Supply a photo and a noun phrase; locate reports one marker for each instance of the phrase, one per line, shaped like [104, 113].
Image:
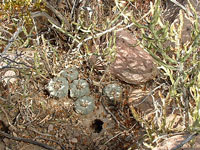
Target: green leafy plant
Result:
[179, 62]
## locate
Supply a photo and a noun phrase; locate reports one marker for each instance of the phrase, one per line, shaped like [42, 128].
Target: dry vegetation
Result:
[39, 39]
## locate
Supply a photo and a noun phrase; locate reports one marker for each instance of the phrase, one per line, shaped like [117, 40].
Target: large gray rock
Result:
[132, 64]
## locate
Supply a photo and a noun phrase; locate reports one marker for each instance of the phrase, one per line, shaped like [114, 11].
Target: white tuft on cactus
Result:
[84, 105]
[113, 91]
[70, 73]
[58, 87]
[79, 88]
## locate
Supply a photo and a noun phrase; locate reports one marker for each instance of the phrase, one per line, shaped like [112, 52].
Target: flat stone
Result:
[74, 140]
[140, 100]
[50, 128]
[2, 145]
[132, 64]
[173, 142]
[31, 147]
[9, 76]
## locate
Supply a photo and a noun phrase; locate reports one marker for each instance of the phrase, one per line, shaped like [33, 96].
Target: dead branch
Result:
[109, 112]
[25, 140]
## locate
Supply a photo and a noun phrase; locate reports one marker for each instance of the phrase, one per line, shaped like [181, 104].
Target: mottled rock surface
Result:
[31, 147]
[139, 99]
[173, 142]
[132, 64]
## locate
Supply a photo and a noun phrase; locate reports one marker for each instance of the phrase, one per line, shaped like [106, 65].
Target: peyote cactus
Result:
[84, 105]
[58, 87]
[70, 73]
[79, 88]
[113, 91]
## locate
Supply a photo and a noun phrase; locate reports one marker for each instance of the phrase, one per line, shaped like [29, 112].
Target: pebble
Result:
[74, 140]
[50, 128]
[2, 145]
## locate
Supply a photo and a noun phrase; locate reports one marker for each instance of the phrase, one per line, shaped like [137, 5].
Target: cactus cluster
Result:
[68, 81]
[79, 90]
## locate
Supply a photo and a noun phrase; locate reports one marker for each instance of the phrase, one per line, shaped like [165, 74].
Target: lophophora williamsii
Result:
[66, 81]
[84, 105]
[70, 74]
[113, 92]
[58, 87]
[79, 88]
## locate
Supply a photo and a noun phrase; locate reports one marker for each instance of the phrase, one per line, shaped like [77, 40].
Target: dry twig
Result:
[108, 111]
[26, 140]
[185, 141]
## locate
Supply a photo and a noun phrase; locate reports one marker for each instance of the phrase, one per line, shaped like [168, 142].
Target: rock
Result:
[145, 108]
[139, 99]
[173, 122]
[172, 142]
[50, 128]
[2, 145]
[197, 142]
[9, 76]
[132, 64]
[74, 140]
[31, 147]
[171, 10]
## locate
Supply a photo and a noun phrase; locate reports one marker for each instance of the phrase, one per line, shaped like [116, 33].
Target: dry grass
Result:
[37, 41]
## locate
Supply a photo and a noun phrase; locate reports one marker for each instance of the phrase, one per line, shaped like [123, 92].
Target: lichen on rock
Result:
[58, 87]
[113, 91]
[70, 73]
[132, 64]
[79, 88]
[84, 105]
